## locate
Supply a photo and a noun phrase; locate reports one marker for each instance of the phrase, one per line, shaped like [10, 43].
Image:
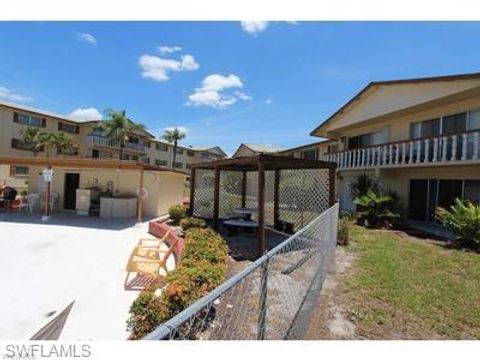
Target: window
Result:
[28, 120]
[454, 124]
[474, 120]
[189, 166]
[427, 128]
[161, 147]
[101, 154]
[472, 191]
[18, 171]
[147, 144]
[177, 165]
[159, 162]
[20, 145]
[365, 140]
[190, 153]
[146, 160]
[310, 154]
[69, 128]
[179, 151]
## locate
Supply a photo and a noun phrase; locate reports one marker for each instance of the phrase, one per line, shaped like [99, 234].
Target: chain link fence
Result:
[272, 298]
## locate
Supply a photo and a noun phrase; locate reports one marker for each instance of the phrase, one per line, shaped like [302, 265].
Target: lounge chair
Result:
[148, 262]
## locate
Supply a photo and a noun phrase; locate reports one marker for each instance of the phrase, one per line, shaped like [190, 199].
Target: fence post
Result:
[262, 315]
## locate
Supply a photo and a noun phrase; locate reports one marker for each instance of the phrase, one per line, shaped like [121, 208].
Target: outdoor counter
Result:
[118, 207]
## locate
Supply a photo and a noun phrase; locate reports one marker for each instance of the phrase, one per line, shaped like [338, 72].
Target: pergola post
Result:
[276, 202]
[261, 208]
[192, 191]
[331, 186]
[140, 198]
[216, 197]
[244, 188]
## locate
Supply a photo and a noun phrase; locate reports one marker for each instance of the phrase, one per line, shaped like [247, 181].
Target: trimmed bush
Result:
[463, 219]
[201, 269]
[177, 213]
[191, 222]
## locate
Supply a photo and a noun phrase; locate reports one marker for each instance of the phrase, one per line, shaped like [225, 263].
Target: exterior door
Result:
[418, 199]
[448, 190]
[72, 182]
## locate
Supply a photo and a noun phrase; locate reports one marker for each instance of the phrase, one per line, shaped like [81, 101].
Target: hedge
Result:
[200, 270]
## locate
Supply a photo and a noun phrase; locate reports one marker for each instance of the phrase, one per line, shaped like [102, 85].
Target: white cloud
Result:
[168, 49]
[88, 38]
[85, 114]
[254, 27]
[181, 128]
[8, 94]
[214, 92]
[157, 68]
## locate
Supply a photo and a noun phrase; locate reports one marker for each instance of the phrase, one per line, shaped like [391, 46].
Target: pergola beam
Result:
[261, 209]
[216, 197]
[276, 200]
[192, 192]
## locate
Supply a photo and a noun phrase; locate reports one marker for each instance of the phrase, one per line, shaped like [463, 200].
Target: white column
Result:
[475, 146]
[419, 149]
[364, 157]
[410, 152]
[397, 154]
[444, 148]
[404, 152]
[454, 148]
[464, 146]
[435, 149]
[427, 148]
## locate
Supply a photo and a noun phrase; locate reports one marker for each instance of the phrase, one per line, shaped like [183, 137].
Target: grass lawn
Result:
[401, 287]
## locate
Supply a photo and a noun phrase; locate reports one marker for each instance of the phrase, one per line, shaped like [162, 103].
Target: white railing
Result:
[458, 148]
[104, 141]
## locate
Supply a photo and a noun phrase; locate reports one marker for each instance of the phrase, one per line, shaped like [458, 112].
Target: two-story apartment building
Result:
[142, 146]
[419, 137]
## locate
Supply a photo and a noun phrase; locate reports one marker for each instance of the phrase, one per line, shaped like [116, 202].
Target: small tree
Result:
[463, 219]
[375, 209]
[31, 136]
[361, 185]
[173, 136]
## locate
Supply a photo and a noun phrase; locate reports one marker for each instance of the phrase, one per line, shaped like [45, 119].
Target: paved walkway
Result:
[44, 266]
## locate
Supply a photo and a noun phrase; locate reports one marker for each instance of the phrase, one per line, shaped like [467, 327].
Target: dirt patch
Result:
[331, 319]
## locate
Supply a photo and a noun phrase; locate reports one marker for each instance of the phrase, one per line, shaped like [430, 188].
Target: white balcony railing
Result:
[104, 141]
[459, 148]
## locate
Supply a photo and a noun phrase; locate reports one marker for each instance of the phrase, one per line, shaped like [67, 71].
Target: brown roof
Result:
[84, 163]
[395, 82]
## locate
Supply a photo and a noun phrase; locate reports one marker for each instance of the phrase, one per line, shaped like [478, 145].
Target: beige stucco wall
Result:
[164, 188]
[399, 179]
[380, 100]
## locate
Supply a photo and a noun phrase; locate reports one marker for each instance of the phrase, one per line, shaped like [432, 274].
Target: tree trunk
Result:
[174, 154]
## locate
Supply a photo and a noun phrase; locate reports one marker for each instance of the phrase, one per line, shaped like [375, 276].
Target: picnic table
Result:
[247, 212]
[233, 224]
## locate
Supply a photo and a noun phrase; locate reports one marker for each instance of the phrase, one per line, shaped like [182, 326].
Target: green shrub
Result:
[191, 222]
[362, 185]
[463, 219]
[343, 235]
[177, 213]
[201, 269]
[376, 210]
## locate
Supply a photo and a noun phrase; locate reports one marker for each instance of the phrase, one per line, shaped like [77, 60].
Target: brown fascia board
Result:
[394, 82]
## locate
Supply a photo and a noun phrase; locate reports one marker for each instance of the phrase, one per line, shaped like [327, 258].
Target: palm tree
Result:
[32, 136]
[63, 143]
[173, 136]
[118, 127]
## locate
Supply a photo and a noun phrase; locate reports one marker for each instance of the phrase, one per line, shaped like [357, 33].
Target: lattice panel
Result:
[303, 195]
[203, 200]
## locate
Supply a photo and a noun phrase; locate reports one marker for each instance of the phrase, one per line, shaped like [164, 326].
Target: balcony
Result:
[458, 149]
[99, 140]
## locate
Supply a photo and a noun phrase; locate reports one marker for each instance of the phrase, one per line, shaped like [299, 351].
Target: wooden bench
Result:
[233, 224]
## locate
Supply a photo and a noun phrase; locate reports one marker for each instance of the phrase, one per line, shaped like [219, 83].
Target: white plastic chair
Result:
[32, 201]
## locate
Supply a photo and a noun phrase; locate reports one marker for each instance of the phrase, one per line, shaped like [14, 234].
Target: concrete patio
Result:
[46, 265]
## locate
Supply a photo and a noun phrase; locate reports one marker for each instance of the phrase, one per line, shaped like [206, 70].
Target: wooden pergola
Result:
[258, 163]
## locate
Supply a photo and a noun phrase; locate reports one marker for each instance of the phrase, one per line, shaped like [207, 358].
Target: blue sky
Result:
[266, 83]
